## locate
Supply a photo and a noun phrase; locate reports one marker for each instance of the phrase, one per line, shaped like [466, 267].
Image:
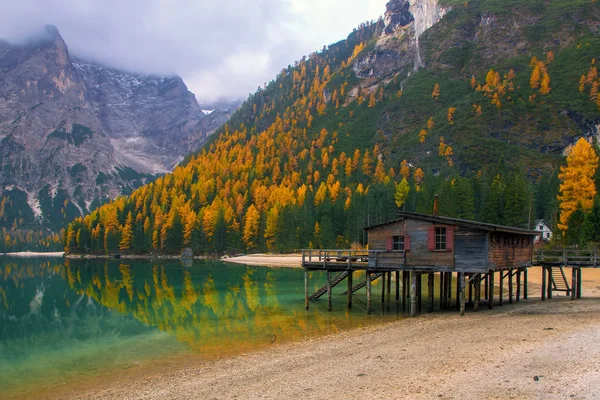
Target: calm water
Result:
[67, 322]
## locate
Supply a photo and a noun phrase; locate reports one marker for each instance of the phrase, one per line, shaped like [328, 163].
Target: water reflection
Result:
[65, 318]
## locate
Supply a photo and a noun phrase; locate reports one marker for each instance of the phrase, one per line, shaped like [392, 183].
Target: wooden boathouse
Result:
[417, 245]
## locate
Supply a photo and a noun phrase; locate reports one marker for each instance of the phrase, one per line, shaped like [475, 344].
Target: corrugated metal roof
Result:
[458, 222]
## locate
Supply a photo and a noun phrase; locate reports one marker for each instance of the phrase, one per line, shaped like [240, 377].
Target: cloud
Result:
[222, 48]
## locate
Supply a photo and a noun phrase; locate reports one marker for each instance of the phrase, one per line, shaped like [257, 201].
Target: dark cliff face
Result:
[74, 126]
[397, 14]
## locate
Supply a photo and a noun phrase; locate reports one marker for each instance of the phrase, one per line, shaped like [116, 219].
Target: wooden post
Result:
[449, 301]
[349, 293]
[525, 273]
[430, 291]
[389, 290]
[549, 288]
[544, 283]
[501, 293]
[442, 289]
[486, 288]
[413, 294]
[579, 283]
[306, 289]
[518, 284]
[419, 292]
[461, 292]
[477, 292]
[383, 288]
[397, 285]
[491, 290]
[368, 293]
[510, 285]
[573, 283]
[470, 290]
[459, 282]
[404, 288]
[328, 290]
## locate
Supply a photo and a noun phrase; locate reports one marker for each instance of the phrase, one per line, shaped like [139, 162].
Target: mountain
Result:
[74, 134]
[476, 101]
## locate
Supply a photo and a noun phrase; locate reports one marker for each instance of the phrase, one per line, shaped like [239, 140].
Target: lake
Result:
[66, 325]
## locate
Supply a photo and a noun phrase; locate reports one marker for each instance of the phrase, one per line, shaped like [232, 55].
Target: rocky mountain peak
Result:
[397, 14]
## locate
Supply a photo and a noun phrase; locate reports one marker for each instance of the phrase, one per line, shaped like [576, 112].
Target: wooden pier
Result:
[461, 256]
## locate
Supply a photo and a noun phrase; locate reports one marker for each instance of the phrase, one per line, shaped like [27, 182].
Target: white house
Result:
[544, 229]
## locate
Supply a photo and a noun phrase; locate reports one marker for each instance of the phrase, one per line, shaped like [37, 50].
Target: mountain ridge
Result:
[74, 134]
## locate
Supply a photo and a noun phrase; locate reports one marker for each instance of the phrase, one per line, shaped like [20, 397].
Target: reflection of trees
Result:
[211, 308]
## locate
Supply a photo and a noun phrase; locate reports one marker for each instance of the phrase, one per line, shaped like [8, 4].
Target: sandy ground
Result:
[268, 260]
[526, 350]
[34, 254]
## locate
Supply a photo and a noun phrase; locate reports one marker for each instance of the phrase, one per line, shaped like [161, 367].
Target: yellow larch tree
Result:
[436, 92]
[577, 188]
[127, 233]
[251, 224]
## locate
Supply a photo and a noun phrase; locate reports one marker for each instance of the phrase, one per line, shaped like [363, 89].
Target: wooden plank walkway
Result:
[568, 258]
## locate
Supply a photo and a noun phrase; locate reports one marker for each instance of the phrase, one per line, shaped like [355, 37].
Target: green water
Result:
[64, 322]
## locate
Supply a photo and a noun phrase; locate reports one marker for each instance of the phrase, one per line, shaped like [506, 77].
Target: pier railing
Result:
[367, 259]
[585, 258]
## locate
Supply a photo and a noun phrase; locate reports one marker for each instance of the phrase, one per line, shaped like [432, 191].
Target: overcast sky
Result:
[221, 48]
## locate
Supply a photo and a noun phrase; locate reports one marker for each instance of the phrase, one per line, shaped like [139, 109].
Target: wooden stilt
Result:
[389, 290]
[470, 290]
[549, 283]
[458, 287]
[397, 285]
[430, 277]
[382, 288]
[491, 290]
[306, 289]
[544, 274]
[573, 283]
[349, 293]
[486, 287]
[413, 294]
[404, 289]
[449, 289]
[518, 284]
[419, 292]
[461, 292]
[510, 285]
[578, 283]
[525, 282]
[442, 289]
[477, 292]
[368, 293]
[329, 290]
[501, 291]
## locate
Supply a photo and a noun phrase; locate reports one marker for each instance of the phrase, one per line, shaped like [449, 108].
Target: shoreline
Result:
[490, 354]
[24, 254]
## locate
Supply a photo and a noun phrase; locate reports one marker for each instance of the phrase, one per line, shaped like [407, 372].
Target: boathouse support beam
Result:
[544, 283]
[549, 287]
[413, 294]
[430, 291]
[461, 292]
[518, 284]
[525, 282]
[306, 301]
[573, 283]
[349, 293]
[501, 291]
[510, 285]
[389, 290]
[368, 293]
[491, 290]
[397, 285]
[477, 292]
[328, 290]
[579, 283]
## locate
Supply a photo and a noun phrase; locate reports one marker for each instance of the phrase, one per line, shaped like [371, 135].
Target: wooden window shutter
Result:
[388, 244]
[406, 243]
[449, 238]
[431, 239]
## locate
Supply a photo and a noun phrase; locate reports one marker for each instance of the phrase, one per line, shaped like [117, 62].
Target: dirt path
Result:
[528, 350]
